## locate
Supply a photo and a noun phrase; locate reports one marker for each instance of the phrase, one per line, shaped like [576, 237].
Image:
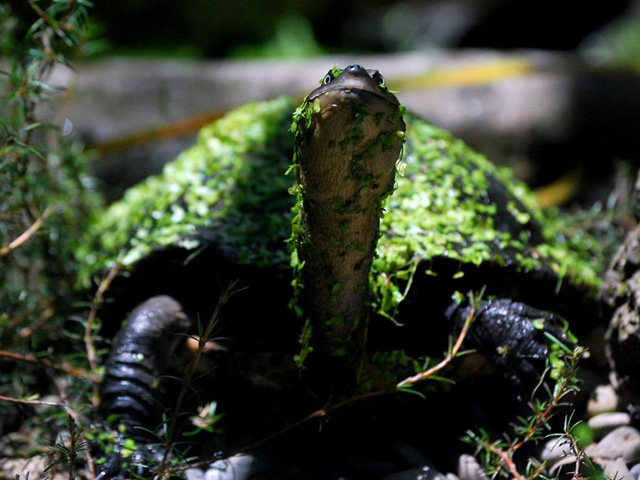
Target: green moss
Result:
[441, 208]
[230, 190]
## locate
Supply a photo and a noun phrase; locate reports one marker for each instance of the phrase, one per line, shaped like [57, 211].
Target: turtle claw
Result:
[512, 336]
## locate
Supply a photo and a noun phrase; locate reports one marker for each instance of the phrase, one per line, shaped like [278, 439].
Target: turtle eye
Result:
[327, 78]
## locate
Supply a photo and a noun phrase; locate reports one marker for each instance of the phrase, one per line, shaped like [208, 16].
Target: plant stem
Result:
[186, 384]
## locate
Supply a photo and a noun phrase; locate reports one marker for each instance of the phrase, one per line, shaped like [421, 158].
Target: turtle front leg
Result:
[133, 369]
[511, 335]
[137, 360]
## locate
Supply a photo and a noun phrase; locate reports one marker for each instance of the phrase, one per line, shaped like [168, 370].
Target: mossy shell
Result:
[230, 193]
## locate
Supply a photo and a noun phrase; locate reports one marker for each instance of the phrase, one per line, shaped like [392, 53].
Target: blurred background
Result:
[305, 28]
[549, 88]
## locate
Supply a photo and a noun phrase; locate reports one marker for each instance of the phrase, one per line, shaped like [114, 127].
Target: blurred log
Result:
[554, 111]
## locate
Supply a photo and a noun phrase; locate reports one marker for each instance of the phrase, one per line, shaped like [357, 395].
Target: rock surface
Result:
[470, 469]
[623, 443]
[421, 473]
[605, 422]
[621, 292]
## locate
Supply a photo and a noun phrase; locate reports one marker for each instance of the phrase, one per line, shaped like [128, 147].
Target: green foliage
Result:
[617, 42]
[206, 419]
[45, 195]
[69, 450]
[292, 38]
[559, 381]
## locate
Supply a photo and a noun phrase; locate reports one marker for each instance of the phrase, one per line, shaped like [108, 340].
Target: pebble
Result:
[238, 467]
[33, 467]
[194, 474]
[616, 469]
[555, 449]
[604, 400]
[566, 468]
[421, 473]
[604, 423]
[635, 471]
[469, 468]
[619, 448]
[623, 442]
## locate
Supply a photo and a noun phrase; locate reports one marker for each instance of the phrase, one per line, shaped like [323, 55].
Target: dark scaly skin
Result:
[504, 332]
[137, 360]
[133, 369]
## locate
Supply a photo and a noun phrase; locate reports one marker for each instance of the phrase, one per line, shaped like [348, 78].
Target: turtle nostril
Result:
[355, 68]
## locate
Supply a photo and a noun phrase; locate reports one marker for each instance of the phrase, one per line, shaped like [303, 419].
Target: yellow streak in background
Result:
[465, 75]
[555, 193]
[561, 190]
[163, 132]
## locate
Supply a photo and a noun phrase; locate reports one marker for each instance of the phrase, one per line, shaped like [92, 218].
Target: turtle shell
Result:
[222, 211]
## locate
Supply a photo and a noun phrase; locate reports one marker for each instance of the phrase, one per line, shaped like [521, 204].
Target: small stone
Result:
[635, 471]
[606, 422]
[567, 466]
[238, 467]
[470, 469]
[616, 469]
[421, 473]
[604, 400]
[623, 442]
[194, 474]
[555, 449]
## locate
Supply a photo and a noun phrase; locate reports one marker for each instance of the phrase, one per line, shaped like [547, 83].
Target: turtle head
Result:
[349, 134]
[353, 84]
[354, 110]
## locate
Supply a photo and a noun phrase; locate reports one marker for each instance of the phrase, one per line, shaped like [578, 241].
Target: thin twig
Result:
[26, 235]
[451, 354]
[543, 417]
[44, 16]
[186, 384]
[24, 401]
[30, 358]
[92, 356]
[329, 409]
[505, 456]
[37, 323]
[320, 413]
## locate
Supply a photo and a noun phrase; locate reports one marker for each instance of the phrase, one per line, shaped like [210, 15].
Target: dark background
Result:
[223, 28]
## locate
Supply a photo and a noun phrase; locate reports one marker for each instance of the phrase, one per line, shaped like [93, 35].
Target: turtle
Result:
[350, 227]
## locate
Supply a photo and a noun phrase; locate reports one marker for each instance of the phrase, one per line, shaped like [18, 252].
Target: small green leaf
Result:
[538, 324]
